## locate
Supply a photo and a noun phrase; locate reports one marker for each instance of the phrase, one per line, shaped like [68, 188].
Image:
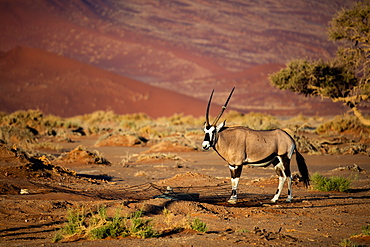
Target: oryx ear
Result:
[221, 125]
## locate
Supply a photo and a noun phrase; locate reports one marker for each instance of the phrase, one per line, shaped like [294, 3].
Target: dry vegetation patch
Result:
[122, 140]
[169, 146]
[24, 170]
[26, 167]
[80, 154]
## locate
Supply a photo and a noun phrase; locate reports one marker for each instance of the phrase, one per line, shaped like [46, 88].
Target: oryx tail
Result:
[302, 167]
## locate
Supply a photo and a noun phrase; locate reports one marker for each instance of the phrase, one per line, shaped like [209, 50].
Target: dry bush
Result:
[341, 124]
[180, 119]
[325, 146]
[36, 122]
[15, 135]
[80, 154]
[158, 156]
[305, 145]
[170, 146]
[258, 121]
[121, 139]
[101, 122]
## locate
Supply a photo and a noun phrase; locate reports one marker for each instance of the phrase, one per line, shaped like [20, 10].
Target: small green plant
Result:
[58, 237]
[103, 227]
[242, 231]
[198, 225]
[97, 225]
[366, 230]
[340, 184]
[168, 216]
[75, 219]
[347, 243]
[141, 227]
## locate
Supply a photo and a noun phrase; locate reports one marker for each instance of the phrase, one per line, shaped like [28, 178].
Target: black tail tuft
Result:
[302, 167]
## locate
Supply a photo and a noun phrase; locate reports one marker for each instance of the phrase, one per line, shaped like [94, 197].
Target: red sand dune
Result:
[34, 79]
[188, 47]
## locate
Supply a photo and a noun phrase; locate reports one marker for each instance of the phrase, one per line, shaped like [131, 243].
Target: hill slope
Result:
[34, 79]
[187, 46]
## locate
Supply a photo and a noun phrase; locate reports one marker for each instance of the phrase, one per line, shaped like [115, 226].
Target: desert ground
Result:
[39, 187]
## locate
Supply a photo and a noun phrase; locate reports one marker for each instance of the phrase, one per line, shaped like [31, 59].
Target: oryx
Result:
[240, 146]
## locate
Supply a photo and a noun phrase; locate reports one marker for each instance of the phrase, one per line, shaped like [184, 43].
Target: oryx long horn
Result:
[223, 108]
[207, 112]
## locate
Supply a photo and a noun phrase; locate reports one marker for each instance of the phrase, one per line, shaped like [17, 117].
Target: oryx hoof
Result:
[232, 201]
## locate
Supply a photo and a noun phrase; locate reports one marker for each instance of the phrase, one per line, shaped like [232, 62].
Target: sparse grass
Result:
[126, 159]
[140, 174]
[167, 216]
[340, 124]
[243, 230]
[80, 153]
[25, 128]
[366, 230]
[97, 225]
[340, 184]
[98, 158]
[198, 225]
[76, 221]
[49, 145]
[306, 145]
[348, 243]
[258, 121]
[158, 156]
[22, 137]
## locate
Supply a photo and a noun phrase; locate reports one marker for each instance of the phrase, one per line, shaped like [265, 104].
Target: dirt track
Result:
[312, 219]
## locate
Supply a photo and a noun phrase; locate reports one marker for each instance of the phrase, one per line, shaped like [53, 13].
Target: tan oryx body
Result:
[240, 146]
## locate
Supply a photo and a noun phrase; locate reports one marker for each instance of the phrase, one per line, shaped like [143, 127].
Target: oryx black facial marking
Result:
[209, 136]
[240, 146]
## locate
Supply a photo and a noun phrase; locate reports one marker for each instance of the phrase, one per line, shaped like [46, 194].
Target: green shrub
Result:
[103, 227]
[97, 225]
[140, 227]
[366, 230]
[340, 184]
[347, 243]
[75, 219]
[198, 225]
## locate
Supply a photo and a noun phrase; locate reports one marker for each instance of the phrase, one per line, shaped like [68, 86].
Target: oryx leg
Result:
[235, 172]
[282, 168]
[288, 174]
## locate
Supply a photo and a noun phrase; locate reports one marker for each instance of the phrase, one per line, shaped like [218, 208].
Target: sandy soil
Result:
[312, 219]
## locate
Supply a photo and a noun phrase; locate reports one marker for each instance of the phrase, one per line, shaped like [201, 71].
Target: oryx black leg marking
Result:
[286, 161]
[235, 172]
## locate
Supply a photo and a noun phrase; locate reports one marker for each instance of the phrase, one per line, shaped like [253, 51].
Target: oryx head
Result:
[211, 130]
